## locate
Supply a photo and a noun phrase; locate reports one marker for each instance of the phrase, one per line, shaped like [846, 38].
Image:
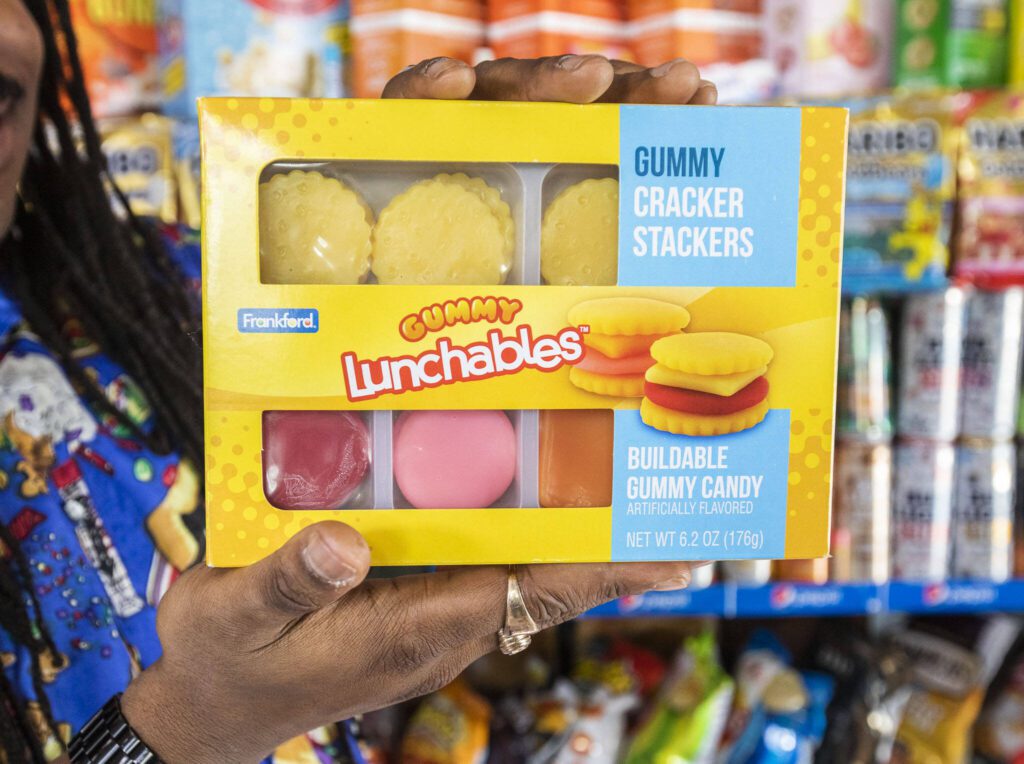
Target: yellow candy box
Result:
[393, 290]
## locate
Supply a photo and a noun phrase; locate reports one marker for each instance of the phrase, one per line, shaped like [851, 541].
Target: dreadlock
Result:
[20, 617]
[73, 253]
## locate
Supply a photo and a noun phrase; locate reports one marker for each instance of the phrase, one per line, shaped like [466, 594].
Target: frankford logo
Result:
[278, 320]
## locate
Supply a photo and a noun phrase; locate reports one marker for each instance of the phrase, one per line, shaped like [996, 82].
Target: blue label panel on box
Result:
[708, 196]
[699, 498]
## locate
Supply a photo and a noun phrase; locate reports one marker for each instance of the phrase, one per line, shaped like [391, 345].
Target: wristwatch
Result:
[107, 738]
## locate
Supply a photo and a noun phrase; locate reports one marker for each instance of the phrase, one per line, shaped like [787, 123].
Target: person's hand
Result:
[573, 79]
[254, 656]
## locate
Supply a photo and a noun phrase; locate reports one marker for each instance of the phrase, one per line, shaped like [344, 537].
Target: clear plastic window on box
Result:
[426, 223]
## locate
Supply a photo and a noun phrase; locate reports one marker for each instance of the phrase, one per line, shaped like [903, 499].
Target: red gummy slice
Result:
[313, 459]
[708, 404]
[597, 362]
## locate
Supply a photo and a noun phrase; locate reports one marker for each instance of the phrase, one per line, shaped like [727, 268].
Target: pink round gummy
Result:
[454, 459]
[313, 459]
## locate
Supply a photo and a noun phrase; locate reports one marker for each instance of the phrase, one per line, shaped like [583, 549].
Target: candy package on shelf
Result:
[449, 727]
[901, 182]
[140, 160]
[690, 711]
[187, 172]
[621, 667]
[117, 45]
[950, 43]
[990, 245]
[507, 342]
[723, 37]
[705, 32]
[999, 737]
[792, 716]
[825, 49]
[919, 54]
[951, 673]
[532, 28]
[1015, 43]
[250, 48]
[388, 35]
[787, 723]
[513, 731]
[762, 659]
[872, 688]
[582, 726]
[976, 44]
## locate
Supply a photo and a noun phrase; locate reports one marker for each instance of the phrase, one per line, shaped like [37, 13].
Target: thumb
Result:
[316, 567]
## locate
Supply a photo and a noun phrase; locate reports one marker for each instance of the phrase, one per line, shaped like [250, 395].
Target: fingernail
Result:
[571, 63]
[325, 562]
[672, 584]
[710, 87]
[661, 71]
[438, 66]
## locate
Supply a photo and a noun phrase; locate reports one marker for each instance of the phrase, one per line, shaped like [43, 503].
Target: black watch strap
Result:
[107, 738]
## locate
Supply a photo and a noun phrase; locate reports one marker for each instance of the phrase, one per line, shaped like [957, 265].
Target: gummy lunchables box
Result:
[518, 332]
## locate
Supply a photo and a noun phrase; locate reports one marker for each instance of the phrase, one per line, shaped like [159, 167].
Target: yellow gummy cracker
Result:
[436, 232]
[712, 352]
[579, 237]
[492, 198]
[716, 384]
[614, 385]
[313, 230]
[620, 346]
[629, 315]
[682, 423]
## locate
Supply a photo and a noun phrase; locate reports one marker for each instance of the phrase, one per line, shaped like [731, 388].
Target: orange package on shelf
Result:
[529, 28]
[117, 44]
[388, 35]
[703, 31]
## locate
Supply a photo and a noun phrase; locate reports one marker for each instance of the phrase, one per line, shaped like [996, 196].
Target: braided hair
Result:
[73, 252]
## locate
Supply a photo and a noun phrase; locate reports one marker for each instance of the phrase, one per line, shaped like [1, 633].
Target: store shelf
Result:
[789, 599]
[710, 601]
[794, 600]
[956, 597]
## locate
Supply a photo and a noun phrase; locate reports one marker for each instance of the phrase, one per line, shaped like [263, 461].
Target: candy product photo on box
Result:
[478, 337]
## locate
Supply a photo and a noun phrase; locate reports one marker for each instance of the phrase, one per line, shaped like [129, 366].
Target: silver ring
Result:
[519, 624]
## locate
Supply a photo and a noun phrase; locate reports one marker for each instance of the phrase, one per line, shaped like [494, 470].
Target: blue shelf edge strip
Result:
[835, 599]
